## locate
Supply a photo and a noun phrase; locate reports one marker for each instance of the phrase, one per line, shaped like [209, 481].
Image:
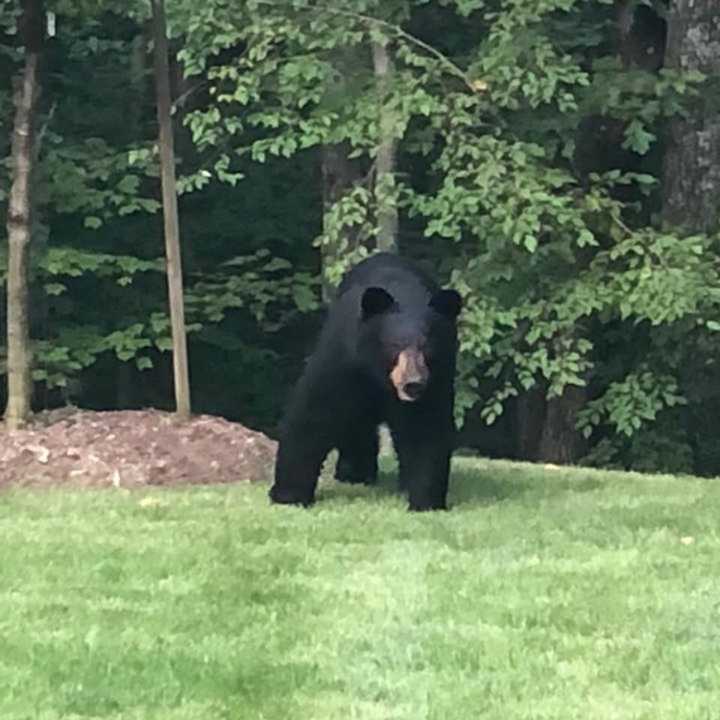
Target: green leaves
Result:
[70, 262]
[527, 175]
[637, 138]
[630, 403]
[264, 286]
[100, 181]
[661, 277]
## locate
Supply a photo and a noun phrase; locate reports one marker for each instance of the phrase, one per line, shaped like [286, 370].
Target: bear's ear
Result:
[447, 303]
[374, 301]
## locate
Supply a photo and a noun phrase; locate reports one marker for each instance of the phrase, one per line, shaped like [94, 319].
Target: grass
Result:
[543, 594]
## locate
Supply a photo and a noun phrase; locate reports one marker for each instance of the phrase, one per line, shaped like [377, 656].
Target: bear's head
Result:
[405, 344]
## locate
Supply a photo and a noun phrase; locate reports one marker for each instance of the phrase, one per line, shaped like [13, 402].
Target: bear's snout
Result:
[410, 375]
[413, 390]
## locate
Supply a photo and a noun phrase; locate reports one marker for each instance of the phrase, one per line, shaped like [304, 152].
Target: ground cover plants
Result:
[544, 593]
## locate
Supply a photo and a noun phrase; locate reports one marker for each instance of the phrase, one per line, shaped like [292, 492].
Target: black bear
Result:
[386, 354]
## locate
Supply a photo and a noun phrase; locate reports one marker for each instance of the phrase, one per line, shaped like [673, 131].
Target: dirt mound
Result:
[132, 448]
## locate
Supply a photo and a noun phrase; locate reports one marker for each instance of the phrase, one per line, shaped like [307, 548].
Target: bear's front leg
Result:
[297, 468]
[425, 474]
[424, 449]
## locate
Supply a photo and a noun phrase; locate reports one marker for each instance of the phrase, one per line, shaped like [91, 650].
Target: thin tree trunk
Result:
[339, 176]
[387, 219]
[170, 214]
[691, 183]
[19, 220]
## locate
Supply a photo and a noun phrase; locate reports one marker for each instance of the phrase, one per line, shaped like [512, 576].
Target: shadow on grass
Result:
[479, 482]
[493, 482]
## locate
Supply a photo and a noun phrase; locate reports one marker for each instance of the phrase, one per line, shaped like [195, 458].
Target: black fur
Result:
[384, 305]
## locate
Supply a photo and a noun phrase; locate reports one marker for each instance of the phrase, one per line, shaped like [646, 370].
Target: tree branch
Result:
[395, 30]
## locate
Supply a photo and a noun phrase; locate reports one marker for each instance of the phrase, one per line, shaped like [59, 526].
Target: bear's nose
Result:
[413, 389]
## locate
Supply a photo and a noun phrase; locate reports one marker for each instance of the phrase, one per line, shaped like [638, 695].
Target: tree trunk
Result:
[19, 220]
[339, 176]
[560, 441]
[387, 218]
[529, 417]
[170, 214]
[691, 182]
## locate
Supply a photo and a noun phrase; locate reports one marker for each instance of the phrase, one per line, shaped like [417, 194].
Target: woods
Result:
[557, 162]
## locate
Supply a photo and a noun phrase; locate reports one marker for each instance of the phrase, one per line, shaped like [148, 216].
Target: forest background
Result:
[556, 161]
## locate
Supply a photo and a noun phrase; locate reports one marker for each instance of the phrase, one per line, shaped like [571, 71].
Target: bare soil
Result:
[132, 448]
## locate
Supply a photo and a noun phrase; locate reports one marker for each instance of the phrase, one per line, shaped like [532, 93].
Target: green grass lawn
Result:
[542, 594]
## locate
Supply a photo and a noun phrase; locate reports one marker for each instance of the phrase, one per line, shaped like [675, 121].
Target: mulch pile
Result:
[132, 448]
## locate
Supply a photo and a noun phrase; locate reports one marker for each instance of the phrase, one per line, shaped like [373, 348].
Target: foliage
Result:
[542, 251]
[529, 158]
[264, 285]
[661, 447]
[626, 405]
[97, 180]
[89, 187]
